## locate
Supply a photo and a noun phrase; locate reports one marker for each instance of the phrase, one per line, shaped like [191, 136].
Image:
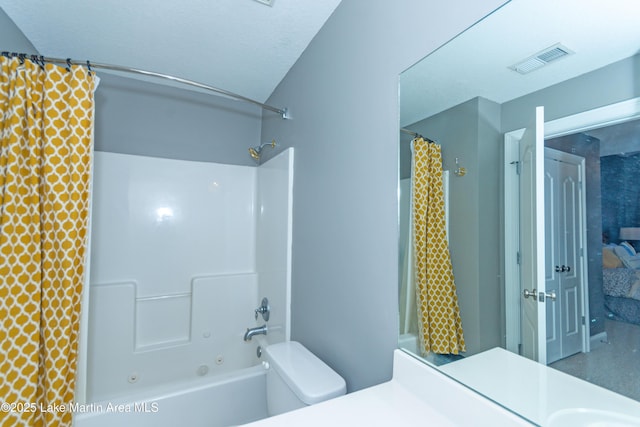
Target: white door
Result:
[532, 241]
[564, 225]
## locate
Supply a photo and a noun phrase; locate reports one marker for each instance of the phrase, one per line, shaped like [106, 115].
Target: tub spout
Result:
[261, 330]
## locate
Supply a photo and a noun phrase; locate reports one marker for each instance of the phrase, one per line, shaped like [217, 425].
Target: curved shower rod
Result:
[415, 134]
[90, 65]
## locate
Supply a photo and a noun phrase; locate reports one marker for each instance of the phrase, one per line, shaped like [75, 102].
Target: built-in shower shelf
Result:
[154, 329]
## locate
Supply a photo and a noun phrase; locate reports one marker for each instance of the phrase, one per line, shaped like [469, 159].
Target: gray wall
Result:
[470, 132]
[620, 207]
[614, 83]
[11, 38]
[138, 117]
[343, 97]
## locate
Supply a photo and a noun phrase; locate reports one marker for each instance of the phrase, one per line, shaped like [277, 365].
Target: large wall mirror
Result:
[476, 97]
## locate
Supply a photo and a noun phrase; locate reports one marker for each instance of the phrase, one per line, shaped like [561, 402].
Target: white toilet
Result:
[298, 378]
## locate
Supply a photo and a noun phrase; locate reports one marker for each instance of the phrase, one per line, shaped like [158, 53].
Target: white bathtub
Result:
[234, 398]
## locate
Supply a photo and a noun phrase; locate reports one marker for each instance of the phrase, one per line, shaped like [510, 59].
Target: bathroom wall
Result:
[343, 97]
[11, 38]
[144, 118]
[620, 206]
[614, 83]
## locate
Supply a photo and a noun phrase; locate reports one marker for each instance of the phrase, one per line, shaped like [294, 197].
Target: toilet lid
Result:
[308, 376]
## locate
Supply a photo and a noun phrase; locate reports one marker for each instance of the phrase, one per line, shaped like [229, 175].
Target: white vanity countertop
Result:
[418, 395]
[539, 393]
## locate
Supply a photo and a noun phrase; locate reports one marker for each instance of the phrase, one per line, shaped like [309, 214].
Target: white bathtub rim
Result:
[174, 389]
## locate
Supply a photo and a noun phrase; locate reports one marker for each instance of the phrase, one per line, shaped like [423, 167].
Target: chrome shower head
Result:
[255, 152]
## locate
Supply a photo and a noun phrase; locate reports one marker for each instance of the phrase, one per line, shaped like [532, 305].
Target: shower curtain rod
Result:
[91, 65]
[415, 134]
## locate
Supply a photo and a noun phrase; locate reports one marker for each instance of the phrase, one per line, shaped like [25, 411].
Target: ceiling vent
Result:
[541, 59]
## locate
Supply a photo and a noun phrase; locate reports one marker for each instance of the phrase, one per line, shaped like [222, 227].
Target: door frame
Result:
[609, 115]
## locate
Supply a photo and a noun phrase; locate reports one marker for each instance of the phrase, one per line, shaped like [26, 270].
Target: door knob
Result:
[550, 295]
[527, 293]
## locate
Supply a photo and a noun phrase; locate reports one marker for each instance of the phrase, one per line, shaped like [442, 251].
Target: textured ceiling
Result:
[476, 62]
[242, 46]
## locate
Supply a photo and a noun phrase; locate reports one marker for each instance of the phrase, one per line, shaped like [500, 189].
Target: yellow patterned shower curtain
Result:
[46, 139]
[437, 302]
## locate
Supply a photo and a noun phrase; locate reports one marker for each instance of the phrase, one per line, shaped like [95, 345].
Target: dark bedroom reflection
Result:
[612, 159]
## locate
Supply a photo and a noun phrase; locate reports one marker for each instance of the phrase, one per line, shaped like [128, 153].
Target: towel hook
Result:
[459, 171]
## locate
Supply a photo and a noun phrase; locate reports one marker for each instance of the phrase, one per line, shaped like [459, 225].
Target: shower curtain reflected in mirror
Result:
[408, 313]
[428, 270]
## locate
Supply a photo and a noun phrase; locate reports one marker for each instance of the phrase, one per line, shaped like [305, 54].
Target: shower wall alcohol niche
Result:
[181, 254]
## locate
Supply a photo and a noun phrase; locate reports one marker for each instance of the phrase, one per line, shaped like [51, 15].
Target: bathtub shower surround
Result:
[182, 254]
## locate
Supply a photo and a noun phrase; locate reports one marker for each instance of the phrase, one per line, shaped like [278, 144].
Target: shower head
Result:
[255, 152]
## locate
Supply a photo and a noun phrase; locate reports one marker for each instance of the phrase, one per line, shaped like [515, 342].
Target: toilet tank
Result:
[297, 378]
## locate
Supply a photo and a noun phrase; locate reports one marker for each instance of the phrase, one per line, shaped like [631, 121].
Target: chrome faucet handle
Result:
[264, 309]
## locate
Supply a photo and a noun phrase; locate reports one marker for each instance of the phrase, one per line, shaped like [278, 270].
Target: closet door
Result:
[564, 192]
[552, 248]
